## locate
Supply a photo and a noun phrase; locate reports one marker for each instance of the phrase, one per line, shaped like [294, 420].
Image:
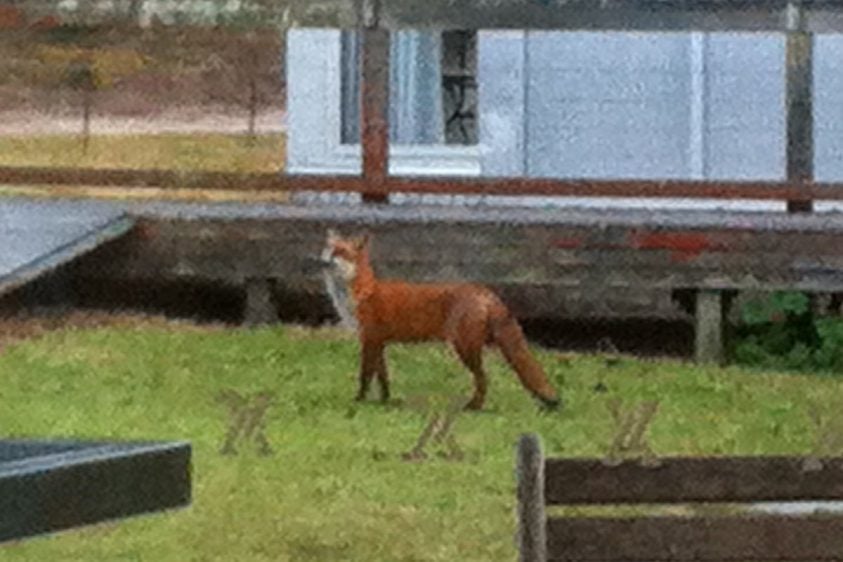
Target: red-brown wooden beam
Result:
[86, 177]
[615, 188]
[374, 114]
[799, 104]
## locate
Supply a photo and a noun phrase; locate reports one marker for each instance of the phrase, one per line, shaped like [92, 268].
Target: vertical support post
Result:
[709, 319]
[799, 104]
[259, 307]
[374, 116]
[532, 530]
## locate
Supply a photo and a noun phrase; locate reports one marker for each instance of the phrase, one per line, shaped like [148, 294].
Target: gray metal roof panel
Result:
[37, 236]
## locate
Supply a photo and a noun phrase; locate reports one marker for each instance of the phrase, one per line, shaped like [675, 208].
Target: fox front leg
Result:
[370, 356]
[383, 376]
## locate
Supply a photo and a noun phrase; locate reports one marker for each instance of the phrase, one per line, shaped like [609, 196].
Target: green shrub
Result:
[780, 331]
[829, 356]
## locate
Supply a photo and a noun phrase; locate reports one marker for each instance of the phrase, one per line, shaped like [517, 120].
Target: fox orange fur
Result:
[467, 316]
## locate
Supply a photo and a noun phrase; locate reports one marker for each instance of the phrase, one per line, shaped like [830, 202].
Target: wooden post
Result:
[709, 318]
[375, 94]
[532, 531]
[799, 103]
[260, 309]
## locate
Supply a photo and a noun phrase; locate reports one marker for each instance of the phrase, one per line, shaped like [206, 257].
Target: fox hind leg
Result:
[465, 331]
[473, 360]
[470, 352]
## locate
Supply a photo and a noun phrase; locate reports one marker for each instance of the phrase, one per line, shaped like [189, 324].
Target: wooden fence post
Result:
[375, 104]
[799, 103]
[532, 533]
[260, 309]
[708, 327]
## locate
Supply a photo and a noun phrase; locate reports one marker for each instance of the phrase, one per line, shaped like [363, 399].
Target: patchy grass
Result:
[137, 193]
[196, 151]
[335, 487]
[201, 152]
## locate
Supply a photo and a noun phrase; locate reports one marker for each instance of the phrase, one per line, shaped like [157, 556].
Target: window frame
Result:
[314, 116]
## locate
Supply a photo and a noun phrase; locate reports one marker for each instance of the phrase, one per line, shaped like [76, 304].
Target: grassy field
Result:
[202, 152]
[335, 487]
[205, 152]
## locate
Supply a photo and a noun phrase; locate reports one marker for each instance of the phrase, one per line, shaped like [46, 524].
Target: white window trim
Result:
[324, 153]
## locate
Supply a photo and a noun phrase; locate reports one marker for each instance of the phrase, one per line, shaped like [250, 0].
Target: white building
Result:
[568, 105]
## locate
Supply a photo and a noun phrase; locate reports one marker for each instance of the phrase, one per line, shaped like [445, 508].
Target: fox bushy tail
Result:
[508, 336]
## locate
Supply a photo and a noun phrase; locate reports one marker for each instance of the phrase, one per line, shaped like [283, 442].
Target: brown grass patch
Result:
[31, 325]
[146, 193]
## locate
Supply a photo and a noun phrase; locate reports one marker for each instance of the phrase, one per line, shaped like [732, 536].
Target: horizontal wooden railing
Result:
[680, 539]
[514, 186]
[744, 538]
[692, 479]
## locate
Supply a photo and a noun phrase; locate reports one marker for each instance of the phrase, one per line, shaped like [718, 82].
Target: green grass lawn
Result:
[204, 152]
[335, 487]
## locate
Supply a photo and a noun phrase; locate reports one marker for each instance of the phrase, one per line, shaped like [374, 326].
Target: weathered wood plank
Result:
[692, 479]
[697, 539]
[259, 308]
[86, 177]
[583, 300]
[693, 242]
[374, 117]
[532, 528]
[625, 268]
[799, 66]
[709, 318]
[401, 241]
[669, 266]
[231, 250]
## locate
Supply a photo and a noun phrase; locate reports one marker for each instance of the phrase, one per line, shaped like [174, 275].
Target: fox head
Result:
[343, 255]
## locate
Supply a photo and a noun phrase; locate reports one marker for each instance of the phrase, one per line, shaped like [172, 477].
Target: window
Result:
[459, 86]
[433, 88]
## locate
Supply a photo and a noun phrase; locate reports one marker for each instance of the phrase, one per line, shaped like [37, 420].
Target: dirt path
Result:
[16, 123]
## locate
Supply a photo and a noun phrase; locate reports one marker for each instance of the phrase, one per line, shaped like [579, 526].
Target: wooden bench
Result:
[737, 538]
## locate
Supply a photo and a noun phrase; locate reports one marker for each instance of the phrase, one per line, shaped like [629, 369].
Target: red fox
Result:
[465, 315]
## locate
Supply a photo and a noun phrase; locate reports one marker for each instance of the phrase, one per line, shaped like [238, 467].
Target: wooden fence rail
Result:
[743, 538]
[514, 186]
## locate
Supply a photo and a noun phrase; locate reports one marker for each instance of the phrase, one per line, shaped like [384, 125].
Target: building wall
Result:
[632, 106]
[828, 108]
